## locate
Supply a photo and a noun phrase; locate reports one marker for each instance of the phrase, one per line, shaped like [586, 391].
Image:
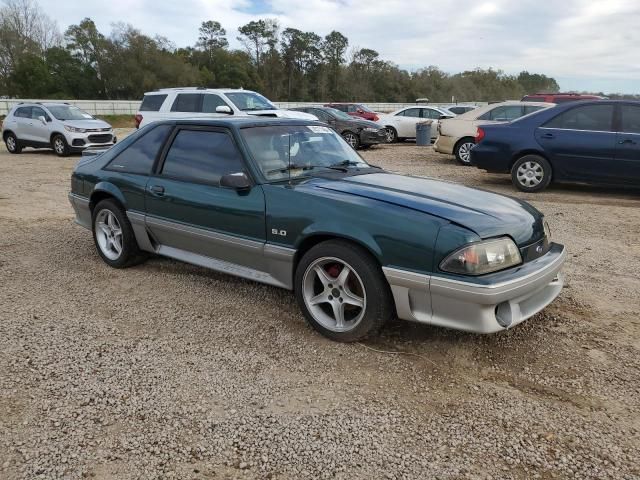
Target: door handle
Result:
[627, 140]
[157, 190]
[548, 135]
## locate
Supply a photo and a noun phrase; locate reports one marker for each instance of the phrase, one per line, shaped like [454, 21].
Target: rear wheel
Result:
[114, 237]
[342, 291]
[60, 145]
[462, 151]
[531, 173]
[11, 141]
[352, 139]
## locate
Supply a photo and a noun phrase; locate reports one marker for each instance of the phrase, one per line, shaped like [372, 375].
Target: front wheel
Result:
[352, 139]
[11, 141]
[60, 146]
[391, 134]
[531, 173]
[342, 291]
[463, 150]
[114, 237]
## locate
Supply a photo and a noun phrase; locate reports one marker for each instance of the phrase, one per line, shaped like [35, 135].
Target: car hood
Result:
[485, 213]
[283, 114]
[89, 123]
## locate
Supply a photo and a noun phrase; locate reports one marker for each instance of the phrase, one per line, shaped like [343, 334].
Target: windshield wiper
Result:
[351, 163]
[294, 166]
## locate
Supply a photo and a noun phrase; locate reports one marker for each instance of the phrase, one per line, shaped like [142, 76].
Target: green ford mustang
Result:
[289, 203]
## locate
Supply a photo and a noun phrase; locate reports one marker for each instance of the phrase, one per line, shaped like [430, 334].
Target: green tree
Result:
[334, 48]
[258, 36]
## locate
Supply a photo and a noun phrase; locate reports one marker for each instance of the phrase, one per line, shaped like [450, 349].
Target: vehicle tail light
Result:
[138, 119]
[479, 135]
[376, 118]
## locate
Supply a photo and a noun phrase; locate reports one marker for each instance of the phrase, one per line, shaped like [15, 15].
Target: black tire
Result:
[12, 143]
[353, 139]
[461, 150]
[392, 134]
[378, 303]
[60, 145]
[130, 254]
[531, 173]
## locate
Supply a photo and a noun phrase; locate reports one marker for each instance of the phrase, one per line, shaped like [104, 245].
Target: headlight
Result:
[371, 129]
[547, 231]
[483, 257]
[74, 129]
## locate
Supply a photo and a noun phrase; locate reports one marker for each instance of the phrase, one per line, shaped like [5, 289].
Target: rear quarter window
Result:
[140, 156]
[152, 103]
[187, 102]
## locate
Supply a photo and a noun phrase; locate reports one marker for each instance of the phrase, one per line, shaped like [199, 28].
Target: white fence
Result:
[130, 107]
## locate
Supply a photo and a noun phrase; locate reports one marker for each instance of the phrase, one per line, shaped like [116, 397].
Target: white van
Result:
[201, 102]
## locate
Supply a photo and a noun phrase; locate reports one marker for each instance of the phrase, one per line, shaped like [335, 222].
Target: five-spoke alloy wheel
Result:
[11, 141]
[342, 291]
[60, 146]
[113, 235]
[463, 150]
[352, 139]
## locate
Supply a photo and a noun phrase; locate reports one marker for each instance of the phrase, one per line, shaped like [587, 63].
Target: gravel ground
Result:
[168, 370]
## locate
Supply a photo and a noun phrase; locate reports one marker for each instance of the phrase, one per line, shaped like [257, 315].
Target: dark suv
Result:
[558, 97]
[355, 110]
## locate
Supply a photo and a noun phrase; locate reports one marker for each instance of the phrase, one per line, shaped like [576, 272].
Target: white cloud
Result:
[575, 38]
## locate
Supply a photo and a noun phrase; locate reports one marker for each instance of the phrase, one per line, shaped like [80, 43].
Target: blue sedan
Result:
[582, 142]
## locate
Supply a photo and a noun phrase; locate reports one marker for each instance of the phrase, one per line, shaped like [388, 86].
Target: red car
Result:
[355, 110]
[558, 97]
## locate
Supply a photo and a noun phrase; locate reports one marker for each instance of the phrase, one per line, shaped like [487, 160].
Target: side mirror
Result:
[42, 119]
[224, 109]
[360, 111]
[237, 181]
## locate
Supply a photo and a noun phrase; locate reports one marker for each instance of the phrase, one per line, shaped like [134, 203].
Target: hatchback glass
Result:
[68, 112]
[248, 101]
[283, 152]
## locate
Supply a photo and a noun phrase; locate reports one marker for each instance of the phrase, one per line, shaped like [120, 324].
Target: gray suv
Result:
[59, 126]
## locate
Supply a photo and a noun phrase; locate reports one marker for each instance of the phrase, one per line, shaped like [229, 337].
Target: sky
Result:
[591, 45]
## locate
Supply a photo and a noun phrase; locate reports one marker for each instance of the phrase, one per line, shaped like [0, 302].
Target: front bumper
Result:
[373, 138]
[488, 304]
[81, 141]
[444, 144]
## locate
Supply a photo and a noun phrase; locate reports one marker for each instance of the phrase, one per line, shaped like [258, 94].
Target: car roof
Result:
[239, 122]
[162, 91]
[43, 104]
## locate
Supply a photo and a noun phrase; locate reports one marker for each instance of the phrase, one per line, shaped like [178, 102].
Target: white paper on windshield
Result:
[317, 129]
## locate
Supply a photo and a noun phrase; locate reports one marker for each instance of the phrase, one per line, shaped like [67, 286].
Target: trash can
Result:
[423, 133]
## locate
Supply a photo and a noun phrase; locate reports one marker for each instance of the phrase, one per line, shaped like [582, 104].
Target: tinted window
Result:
[351, 108]
[187, 102]
[342, 108]
[37, 112]
[432, 114]
[152, 103]
[202, 156]
[588, 117]
[411, 112]
[531, 108]
[210, 102]
[321, 114]
[504, 113]
[23, 112]
[630, 119]
[140, 155]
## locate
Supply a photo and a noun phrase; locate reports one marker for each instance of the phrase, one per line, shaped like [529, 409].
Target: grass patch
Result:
[119, 121]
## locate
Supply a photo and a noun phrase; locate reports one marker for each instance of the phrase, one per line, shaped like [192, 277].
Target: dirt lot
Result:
[168, 370]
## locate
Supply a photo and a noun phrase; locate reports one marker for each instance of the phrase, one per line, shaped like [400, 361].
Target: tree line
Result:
[37, 60]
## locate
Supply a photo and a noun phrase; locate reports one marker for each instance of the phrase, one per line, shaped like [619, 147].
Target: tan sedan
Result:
[456, 136]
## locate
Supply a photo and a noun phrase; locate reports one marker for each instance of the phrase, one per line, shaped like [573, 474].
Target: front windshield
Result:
[283, 152]
[68, 112]
[248, 101]
[338, 114]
